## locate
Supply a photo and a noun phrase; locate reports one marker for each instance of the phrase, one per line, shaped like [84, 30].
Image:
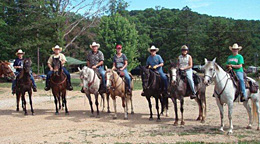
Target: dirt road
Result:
[79, 127]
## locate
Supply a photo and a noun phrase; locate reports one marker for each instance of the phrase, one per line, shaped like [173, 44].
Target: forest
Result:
[37, 26]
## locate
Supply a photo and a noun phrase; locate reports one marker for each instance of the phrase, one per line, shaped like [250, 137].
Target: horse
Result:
[224, 92]
[6, 70]
[117, 87]
[58, 84]
[179, 89]
[152, 86]
[24, 84]
[92, 85]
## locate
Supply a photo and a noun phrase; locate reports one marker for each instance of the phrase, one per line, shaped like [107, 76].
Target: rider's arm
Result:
[100, 63]
[236, 66]
[190, 64]
[114, 66]
[126, 63]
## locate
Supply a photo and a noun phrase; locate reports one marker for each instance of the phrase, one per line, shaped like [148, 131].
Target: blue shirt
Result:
[154, 60]
[120, 61]
[18, 62]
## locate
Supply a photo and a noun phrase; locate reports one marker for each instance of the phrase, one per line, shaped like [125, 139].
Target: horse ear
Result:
[106, 68]
[214, 60]
[205, 60]
[79, 69]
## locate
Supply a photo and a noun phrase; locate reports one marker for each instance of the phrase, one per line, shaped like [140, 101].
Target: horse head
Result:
[27, 65]
[6, 70]
[145, 75]
[57, 66]
[109, 78]
[210, 68]
[173, 73]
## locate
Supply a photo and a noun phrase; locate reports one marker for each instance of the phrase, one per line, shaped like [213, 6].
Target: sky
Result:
[236, 9]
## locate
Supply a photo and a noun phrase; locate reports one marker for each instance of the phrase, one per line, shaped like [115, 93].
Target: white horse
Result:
[91, 84]
[225, 93]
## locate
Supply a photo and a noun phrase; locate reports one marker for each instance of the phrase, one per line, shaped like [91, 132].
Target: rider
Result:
[120, 63]
[235, 62]
[155, 61]
[18, 65]
[185, 63]
[95, 60]
[57, 49]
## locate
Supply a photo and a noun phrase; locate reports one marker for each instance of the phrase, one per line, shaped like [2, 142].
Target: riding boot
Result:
[193, 96]
[13, 90]
[82, 90]
[69, 86]
[129, 91]
[243, 98]
[34, 89]
[47, 87]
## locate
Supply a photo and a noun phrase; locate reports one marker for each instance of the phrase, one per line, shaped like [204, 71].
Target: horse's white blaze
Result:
[174, 75]
[108, 75]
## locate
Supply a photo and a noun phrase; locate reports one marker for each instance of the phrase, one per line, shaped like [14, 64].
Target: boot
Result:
[69, 86]
[13, 91]
[193, 96]
[129, 91]
[34, 89]
[243, 98]
[47, 87]
[82, 91]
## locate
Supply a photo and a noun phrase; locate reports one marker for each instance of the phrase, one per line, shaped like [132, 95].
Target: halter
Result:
[114, 87]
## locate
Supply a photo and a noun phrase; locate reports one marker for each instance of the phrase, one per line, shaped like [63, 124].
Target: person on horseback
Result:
[155, 61]
[120, 64]
[95, 60]
[18, 65]
[57, 49]
[235, 62]
[185, 64]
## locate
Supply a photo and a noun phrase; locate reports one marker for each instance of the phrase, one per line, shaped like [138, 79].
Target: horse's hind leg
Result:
[96, 97]
[200, 109]
[157, 108]
[182, 110]
[176, 111]
[56, 105]
[230, 110]
[132, 108]
[221, 110]
[59, 103]
[18, 96]
[114, 102]
[30, 97]
[150, 107]
[108, 108]
[91, 106]
[248, 109]
[24, 103]
[65, 102]
[258, 113]
[124, 104]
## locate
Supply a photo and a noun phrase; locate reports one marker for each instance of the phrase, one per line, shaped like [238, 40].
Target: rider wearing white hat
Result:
[235, 62]
[57, 49]
[18, 65]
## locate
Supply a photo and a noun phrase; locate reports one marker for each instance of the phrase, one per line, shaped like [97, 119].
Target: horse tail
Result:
[254, 110]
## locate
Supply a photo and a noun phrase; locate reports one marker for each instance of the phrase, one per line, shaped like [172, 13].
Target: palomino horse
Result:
[92, 85]
[24, 84]
[180, 89]
[117, 87]
[58, 84]
[152, 86]
[6, 70]
[225, 93]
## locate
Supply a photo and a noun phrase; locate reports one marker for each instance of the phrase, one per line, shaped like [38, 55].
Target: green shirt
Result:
[236, 60]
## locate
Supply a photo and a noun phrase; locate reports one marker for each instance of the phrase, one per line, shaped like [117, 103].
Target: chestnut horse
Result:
[6, 70]
[24, 84]
[58, 84]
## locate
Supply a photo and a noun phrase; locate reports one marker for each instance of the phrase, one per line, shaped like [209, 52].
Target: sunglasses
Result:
[234, 49]
[184, 50]
[152, 50]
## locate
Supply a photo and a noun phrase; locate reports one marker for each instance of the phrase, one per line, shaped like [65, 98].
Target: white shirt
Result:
[184, 60]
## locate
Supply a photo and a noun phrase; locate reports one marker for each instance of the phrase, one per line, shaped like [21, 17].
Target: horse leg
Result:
[157, 108]
[124, 101]
[230, 110]
[162, 105]
[114, 102]
[182, 110]
[96, 97]
[18, 96]
[91, 106]
[24, 102]
[221, 110]
[65, 102]
[59, 103]
[132, 108]
[248, 109]
[176, 111]
[108, 108]
[200, 108]
[166, 103]
[204, 108]
[56, 101]
[30, 97]
[258, 112]
[150, 107]
[103, 102]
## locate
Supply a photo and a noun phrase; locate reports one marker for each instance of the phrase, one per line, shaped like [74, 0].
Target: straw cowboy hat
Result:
[57, 47]
[19, 52]
[153, 48]
[235, 46]
[94, 44]
[184, 47]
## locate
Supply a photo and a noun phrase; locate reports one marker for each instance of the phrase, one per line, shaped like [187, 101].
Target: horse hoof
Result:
[125, 118]
[175, 123]
[221, 130]
[33, 113]
[56, 113]
[161, 114]
[25, 114]
[108, 111]
[229, 133]
[158, 120]
[249, 127]
[97, 116]
[182, 123]
[114, 117]
[198, 119]
[132, 112]
[150, 119]
[17, 109]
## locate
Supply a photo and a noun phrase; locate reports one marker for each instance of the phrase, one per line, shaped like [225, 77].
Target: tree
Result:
[114, 29]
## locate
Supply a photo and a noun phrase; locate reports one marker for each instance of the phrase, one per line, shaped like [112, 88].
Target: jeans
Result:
[164, 78]
[190, 80]
[240, 76]
[127, 78]
[64, 70]
[31, 77]
[102, 73]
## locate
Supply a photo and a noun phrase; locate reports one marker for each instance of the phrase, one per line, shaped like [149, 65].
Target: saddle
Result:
[183, 76]
[122, 75]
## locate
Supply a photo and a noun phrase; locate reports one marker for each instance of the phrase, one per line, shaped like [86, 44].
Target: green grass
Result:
[138, 85]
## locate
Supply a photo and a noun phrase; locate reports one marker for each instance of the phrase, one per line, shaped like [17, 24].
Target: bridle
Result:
[114, 81]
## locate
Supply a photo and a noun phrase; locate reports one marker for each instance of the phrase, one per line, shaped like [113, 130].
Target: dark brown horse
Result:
[24, 84]
[6, 70]
[179, 88]
[58, 84]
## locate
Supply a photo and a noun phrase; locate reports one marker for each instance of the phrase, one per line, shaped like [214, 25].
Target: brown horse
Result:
[180, 89]
[6, 70]
[24, 84]
[117, 87]
[58, 84]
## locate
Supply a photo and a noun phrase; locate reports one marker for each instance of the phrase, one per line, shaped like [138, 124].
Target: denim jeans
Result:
[102, 73]
[240, 76]
[31, 77]
[127, 78]
[190, 80]
[164, 78]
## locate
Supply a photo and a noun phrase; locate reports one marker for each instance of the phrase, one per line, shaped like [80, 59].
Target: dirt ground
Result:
[79, 127]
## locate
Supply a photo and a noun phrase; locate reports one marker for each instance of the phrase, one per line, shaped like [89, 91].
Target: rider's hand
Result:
[181, 68]
[229, 67]
[121, 69]
[94, 67]
[149, 66]
[155, 67]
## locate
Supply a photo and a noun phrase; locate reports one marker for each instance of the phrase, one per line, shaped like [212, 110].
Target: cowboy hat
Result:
[184, 47]
[153, 48]
[94, 44]
[19, 52]
[57, 47]
[235, 46]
